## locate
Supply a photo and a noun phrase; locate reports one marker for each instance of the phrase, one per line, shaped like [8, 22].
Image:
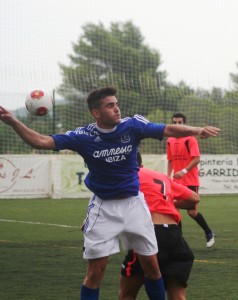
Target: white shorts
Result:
[109, 221]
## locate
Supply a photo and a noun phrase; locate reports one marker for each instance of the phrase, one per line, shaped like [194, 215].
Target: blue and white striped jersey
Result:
[111, 157]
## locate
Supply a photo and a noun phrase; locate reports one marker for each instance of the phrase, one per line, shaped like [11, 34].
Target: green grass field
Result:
[41, 260]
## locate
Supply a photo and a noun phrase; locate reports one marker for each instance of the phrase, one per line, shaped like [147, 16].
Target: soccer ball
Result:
[39, 102]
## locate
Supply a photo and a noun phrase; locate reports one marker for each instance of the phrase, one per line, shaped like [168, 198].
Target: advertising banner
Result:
[218, 174]
[62, 176]
[73, 173]
[24, 176]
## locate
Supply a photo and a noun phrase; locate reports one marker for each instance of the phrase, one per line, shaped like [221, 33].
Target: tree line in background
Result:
[119, 57]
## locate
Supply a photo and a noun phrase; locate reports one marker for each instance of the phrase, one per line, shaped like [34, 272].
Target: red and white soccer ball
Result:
[39, 102]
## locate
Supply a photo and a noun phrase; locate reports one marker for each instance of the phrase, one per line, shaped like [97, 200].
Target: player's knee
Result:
[130, 286]
[93, 280]
[192, 213]
[94, 276]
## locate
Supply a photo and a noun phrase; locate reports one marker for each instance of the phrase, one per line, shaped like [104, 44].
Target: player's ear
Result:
[95, 112]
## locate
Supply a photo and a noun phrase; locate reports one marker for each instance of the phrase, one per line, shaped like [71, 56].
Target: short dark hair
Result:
[179, 115]
[95, 96]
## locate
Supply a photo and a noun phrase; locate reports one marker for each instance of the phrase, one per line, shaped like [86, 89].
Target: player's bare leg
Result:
[192, 213]
[93, 278]
[129, 287]
[199, 218]
[150, 266]
[95, 272]
[175, 290]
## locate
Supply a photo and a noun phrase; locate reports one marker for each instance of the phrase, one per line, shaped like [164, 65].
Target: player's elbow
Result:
[44, 143]
[196, 160]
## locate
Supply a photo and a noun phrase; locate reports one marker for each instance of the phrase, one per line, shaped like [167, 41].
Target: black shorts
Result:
[193, 188]
[175, 256]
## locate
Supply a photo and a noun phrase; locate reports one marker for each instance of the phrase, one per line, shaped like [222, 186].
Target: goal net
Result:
[114, 55]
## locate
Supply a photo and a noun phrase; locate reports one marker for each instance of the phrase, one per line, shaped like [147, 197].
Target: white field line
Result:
[38, 223]
[208, 261]
[69, 226]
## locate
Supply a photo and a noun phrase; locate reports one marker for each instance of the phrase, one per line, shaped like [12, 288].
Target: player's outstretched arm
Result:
[209, 131]
[184, 130]
[31, 137]
[188, 203]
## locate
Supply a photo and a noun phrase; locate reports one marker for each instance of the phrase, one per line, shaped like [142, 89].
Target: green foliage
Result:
[114, 56]
[70, 116]
[13, 143]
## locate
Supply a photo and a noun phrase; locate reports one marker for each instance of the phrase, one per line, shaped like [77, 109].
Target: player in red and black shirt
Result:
[175, 257]
[183, 158]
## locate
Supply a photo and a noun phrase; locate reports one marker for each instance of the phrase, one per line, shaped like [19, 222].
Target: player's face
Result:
[178, 121]
[108, 115]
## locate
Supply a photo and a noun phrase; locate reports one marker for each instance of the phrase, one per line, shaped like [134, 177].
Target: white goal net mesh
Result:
[115, 54]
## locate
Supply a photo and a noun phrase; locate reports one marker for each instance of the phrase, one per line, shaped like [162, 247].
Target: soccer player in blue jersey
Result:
[109, 148]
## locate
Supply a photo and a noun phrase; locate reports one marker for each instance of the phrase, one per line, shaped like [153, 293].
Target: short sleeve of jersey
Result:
[180, 192]
[71, 140]
[147, 129]
[168, 152]
[193, 146]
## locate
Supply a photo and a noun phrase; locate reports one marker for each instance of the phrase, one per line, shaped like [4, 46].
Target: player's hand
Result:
[6, 116]
[82, 226]
[178, 175]
[208, 131]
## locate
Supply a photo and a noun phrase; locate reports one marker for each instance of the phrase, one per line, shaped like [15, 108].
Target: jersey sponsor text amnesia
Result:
[112, 151]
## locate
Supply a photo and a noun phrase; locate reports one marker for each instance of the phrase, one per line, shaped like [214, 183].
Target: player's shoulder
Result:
[183, 138]
[141, 119]
[89, 129]
[137, 122]
[192, 138]
[154, 173]
[136, 118]
[171, 139]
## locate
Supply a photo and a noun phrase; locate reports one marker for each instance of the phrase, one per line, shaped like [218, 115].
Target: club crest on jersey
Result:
[125, 138]
[98, 139]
